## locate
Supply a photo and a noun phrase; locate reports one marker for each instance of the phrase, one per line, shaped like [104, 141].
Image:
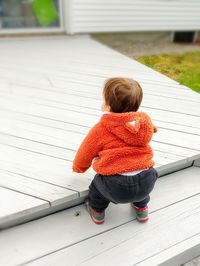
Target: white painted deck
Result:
[170, 238]
[50, 95]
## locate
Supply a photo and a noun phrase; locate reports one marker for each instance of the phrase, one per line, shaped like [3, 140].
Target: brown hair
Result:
[122, 95]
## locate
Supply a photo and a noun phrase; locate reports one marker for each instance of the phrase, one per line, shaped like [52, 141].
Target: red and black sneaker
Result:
[97, 217]
[141, 213]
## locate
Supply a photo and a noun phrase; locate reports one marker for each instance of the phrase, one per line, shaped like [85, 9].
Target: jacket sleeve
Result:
[88, 149]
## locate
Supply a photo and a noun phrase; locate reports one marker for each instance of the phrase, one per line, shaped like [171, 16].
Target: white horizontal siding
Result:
[133, 15]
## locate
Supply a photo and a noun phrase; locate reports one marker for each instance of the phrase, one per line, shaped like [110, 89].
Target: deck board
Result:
[122, 246]
[36, 188]
[63, 238]
[14, 205]
[49, 101]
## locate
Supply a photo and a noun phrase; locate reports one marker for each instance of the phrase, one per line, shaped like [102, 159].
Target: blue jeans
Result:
[121, 189]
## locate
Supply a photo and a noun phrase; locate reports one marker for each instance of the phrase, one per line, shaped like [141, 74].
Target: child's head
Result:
[122, 95]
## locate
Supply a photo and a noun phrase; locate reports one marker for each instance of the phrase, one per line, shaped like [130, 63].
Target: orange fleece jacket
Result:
[118, 143]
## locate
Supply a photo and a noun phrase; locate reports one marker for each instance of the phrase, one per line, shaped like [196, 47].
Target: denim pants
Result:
[121, 189]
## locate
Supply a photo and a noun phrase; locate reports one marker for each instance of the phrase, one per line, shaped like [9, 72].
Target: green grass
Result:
[184, 68]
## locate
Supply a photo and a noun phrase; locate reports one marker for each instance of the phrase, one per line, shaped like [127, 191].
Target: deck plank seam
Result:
[13, 146]
[96, 98]
[39, 180]
[143, 106]
[81, 112]
[157, 253]
[97, 88]
[73, 150]
[100, 233]
[87, 91]
[82, 106]
[176, 145]
[43, 117]
[24, 193]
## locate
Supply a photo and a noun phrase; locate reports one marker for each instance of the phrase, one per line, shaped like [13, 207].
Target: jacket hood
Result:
[133, 128]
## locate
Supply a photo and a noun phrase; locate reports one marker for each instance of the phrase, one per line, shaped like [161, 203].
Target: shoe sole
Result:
[93, 219]
[140, 220]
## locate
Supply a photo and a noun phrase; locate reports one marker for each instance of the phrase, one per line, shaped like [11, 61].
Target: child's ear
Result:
[105, 107]
[155, 129]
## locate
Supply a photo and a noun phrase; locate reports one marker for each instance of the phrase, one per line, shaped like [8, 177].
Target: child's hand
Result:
[155, 129]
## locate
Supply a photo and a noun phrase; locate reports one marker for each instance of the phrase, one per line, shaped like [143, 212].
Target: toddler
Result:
[118, 146]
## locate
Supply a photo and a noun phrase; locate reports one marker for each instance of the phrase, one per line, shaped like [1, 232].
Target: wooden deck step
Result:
[50, 96]
[171, 237]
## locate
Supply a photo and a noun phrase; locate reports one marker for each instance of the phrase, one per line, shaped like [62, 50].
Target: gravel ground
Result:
[194, 262]
[136, 45]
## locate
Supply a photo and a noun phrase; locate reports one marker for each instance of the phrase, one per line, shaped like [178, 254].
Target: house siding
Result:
[87, 16]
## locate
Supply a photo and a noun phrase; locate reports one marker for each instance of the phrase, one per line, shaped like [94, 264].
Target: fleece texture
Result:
[118, 143]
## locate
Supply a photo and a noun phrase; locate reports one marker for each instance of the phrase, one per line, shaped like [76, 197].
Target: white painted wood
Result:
[170, 104]
[37, 147]
[163, 103]
[64, 231]
[179, 126]
[178, 138]
[164, 119]
[44, 168]
[64, 139]
[87, 49]
[160, 157]
[170, 155]
[13, 205]
[193, 129]
[197, 162]
[31, 30]
[122, 245]
[53, 194]
[165, 161]
[53, 95]
[47, 107]
[111, 16]
[182, 252]
[91, 90]
[45, 111]
[166, 229]
[42, 120]
[172, 117]
[174, 150]
[101, 70]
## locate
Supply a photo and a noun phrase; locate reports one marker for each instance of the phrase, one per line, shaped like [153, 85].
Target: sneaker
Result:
[97, 217]
[141, 213]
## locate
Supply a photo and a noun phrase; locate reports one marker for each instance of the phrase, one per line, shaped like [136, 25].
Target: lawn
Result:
[184, 68]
